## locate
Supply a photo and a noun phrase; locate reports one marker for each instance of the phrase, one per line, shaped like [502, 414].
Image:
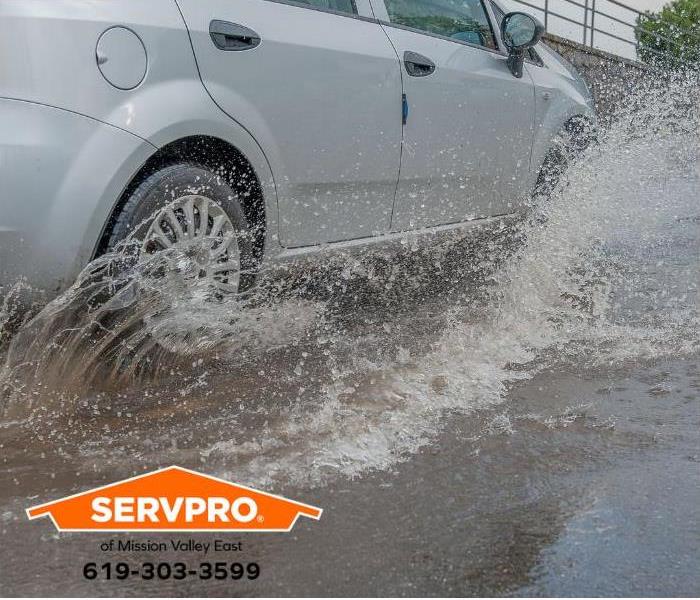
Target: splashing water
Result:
[360, 366]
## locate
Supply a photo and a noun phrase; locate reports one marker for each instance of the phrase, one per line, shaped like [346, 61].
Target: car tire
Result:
[185, 184]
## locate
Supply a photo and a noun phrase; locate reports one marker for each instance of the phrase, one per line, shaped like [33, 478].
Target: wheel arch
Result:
[572, 139]
[217, 155]
[566, 118]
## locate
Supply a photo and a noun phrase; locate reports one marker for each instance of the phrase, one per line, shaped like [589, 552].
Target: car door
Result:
[318, 85]
[469, 126]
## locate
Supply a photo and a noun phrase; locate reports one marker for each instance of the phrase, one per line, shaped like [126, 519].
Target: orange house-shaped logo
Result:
[174, 499]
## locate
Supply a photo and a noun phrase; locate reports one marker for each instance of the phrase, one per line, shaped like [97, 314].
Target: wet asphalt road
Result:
[581, 484]
[546, 442]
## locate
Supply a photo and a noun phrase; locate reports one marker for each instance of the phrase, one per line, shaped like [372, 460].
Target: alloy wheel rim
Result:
[200, 229]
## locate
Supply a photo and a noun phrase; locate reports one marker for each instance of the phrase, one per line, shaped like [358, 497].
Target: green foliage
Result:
[672, 36]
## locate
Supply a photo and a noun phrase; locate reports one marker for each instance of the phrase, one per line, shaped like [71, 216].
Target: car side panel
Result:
[54, 180]
[53, 48]
[322, 95]
[468, 137]
[57, 39]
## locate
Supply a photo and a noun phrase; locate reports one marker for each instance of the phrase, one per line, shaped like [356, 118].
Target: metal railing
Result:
[595, 12]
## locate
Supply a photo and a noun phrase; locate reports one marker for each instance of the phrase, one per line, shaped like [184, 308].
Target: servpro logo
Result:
[174, 499]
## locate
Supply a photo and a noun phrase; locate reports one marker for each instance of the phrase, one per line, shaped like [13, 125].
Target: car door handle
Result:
[418, 65]
[231, 36]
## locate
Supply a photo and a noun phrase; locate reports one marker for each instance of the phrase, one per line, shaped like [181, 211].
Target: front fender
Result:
[558, 99]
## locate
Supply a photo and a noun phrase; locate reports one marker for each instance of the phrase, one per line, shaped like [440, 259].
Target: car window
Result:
[346, 6]
[462, 20]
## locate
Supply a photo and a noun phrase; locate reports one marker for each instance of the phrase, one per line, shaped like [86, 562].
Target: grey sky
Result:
[646, 4]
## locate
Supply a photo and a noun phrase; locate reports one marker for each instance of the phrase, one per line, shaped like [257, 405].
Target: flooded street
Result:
[509, 412]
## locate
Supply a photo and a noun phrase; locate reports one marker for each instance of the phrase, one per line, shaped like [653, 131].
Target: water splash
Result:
[358, 363]
[559, 301]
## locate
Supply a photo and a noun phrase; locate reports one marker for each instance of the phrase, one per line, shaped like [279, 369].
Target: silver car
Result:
[255, 131]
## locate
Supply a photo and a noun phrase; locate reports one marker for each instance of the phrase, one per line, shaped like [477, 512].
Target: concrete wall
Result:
[611, 78]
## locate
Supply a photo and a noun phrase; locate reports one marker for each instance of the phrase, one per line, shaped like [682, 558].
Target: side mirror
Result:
[519, 32]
